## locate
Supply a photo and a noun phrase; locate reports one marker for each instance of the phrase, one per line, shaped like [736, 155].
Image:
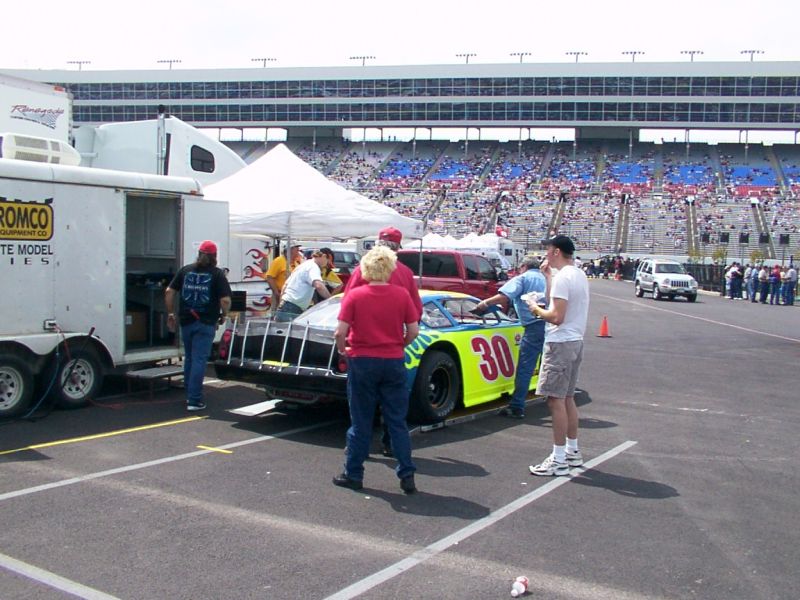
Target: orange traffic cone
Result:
[604, 328]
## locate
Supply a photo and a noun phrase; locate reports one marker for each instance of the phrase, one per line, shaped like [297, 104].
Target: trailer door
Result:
[204, 220]
[90, 262]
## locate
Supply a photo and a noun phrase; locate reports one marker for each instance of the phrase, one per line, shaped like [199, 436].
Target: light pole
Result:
[577, 54]
[169, 61]
[691, 53]
[520, 54]
[363, 59]
[632, 54]
[465, 56]
[263, 61]
[752, 53]
[80, 63]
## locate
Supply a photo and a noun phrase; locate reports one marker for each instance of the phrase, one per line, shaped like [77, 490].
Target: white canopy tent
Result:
[279, 195]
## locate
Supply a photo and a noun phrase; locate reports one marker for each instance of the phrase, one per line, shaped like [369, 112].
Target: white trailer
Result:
[36, 109]
[163, 146]
[85, 255]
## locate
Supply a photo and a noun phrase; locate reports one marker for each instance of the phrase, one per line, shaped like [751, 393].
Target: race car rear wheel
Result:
[436, 388]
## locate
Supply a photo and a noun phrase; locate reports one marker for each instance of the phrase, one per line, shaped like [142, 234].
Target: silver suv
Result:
[664, 279]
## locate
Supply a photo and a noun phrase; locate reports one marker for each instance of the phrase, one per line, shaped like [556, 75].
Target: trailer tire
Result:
[436, 388]
[85, 381]
[16, 385]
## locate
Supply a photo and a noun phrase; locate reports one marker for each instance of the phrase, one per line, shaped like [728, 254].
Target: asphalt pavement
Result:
[689, 418]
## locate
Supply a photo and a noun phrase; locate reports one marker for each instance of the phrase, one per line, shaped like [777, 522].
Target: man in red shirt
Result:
[401, 276]
[376, 322]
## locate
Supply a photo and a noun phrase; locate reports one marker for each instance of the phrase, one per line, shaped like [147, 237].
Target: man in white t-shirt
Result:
[563, 351]
[299, 289]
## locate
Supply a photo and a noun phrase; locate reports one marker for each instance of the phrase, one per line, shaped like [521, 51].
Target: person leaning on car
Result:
[299, 288]
[530, 279]
[329, 276]
[376, 322]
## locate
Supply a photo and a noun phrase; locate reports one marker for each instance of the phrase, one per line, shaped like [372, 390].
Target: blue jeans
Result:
[790, 293]
[735, 288]
[787, 295]
[752, 289]
[197, 340]
[530, 349]
[287, 311]
[774, 292]
[370, 382]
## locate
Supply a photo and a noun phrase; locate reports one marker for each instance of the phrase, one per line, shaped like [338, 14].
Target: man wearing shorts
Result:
[563, 351]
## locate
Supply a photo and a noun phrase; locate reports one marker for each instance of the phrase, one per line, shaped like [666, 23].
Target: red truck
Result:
[451, 270]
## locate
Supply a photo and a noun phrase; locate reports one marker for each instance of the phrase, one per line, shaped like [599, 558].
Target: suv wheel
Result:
[656, 292]
[691, 297]
[638, 289]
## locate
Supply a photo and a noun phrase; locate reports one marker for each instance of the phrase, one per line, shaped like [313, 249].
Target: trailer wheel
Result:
[436, 388]
[78, 379]
[16, 385]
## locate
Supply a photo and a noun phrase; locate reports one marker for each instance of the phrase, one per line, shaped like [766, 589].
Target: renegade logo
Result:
[26, 220]
[43, 116]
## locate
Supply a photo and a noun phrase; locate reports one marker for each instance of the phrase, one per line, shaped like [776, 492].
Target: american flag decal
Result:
[44, 116]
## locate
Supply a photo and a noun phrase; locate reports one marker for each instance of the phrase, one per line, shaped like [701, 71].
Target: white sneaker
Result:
[574, 458]
[550, 468]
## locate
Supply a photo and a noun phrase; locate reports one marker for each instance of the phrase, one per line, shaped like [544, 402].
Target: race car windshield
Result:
[463, 311]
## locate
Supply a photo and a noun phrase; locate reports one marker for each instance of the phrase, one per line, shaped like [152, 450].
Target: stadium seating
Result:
[582, 190]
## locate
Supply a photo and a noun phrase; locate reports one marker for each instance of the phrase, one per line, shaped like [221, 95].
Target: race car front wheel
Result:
[436, 388]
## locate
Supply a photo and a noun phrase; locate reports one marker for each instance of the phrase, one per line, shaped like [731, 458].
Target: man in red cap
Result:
[205, 299]
[401, 276]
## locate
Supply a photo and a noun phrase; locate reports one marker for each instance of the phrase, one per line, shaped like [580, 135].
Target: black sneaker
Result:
[343, 480]
[387, 451]
[512, 412]
[407, 484]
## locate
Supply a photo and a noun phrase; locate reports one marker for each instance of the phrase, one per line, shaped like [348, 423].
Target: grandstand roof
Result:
[699, 95]
[562, 69]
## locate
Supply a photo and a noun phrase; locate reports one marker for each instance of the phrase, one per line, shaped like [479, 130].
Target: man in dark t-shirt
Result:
[205, 298]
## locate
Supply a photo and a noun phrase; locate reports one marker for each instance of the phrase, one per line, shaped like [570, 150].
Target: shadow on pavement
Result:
[441, 466]
[430, 505]
[626, 486]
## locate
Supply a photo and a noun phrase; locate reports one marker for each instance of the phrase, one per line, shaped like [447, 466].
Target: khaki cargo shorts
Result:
[558, 374]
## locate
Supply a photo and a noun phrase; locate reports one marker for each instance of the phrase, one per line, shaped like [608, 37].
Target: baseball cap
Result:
[390, 234]
[563, 243]
[208, 247]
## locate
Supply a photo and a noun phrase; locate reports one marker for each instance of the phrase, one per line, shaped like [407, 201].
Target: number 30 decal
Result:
[496, 357]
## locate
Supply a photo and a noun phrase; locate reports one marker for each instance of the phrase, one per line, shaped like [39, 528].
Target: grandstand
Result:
[607, 189]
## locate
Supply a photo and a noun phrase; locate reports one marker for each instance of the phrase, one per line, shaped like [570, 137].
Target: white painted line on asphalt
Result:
[52, 580]
[255, 409]
[159, 461]
[421, 556]
[712, 321]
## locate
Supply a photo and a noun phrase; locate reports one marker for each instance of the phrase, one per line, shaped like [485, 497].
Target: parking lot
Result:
[689, 417]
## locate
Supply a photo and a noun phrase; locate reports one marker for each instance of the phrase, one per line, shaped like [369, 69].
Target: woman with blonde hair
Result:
[376, 322]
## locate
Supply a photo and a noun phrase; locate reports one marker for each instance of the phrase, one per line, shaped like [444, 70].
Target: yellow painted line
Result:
[103, 435]
[216, 449]
[276, 363]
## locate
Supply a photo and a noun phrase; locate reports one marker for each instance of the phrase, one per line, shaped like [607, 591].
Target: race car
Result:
[460, 358]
